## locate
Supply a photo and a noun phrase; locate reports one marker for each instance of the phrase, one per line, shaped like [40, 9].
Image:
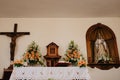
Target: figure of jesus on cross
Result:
[13, 35]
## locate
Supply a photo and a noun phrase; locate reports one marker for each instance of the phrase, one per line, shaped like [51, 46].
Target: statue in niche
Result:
[101, 50]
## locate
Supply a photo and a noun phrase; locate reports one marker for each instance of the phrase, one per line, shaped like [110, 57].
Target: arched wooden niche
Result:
[102, 57]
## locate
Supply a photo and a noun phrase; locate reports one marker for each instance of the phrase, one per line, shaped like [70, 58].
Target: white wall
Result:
[58, 30]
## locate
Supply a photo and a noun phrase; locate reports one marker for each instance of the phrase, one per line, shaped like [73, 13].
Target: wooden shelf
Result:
[62, 64]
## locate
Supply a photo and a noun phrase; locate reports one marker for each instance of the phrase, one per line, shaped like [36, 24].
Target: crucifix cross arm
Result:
[15, 33]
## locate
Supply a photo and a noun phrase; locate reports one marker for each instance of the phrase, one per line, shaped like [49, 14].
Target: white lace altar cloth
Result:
[50, 73]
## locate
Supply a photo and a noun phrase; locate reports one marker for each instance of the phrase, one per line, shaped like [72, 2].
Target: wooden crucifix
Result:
[13, 35]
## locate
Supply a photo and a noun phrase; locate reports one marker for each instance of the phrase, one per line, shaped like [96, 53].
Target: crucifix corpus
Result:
[13, 35]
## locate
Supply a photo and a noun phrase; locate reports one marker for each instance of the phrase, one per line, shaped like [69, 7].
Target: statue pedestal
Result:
[7, 72]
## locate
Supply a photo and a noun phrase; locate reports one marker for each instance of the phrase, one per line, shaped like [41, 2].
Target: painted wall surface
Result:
[59, 30]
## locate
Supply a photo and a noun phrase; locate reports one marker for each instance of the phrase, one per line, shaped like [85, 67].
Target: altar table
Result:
[50, 73]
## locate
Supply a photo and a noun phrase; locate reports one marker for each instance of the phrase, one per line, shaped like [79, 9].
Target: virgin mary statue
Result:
[101, 50]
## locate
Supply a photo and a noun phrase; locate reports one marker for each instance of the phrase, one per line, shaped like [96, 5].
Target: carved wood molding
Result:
[104, 66]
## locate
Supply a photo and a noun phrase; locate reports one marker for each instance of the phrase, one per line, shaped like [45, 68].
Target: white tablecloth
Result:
[49, 73]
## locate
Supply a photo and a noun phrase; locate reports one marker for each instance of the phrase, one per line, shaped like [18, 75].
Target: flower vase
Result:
[25, 64]
[30, 65]
[73, 65]
[33, 64]
[73, 62]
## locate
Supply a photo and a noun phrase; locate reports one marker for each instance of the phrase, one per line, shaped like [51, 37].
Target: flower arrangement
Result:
[18, 63]
[73, 55]
[33, 56]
